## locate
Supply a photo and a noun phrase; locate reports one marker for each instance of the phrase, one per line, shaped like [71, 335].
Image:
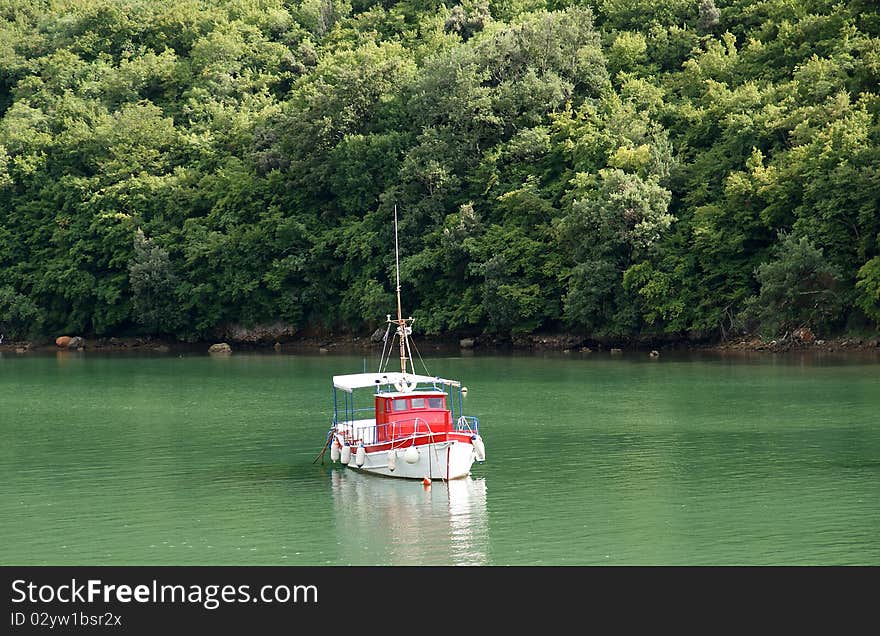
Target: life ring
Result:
[405, 385]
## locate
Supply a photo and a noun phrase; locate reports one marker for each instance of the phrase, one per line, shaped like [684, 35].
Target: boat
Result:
[402, 423]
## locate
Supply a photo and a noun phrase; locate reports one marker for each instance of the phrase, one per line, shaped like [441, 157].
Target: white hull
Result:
[441, 460]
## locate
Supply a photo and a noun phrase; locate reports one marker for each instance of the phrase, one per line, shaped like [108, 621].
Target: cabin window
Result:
[399, 405]
[435, 403]
[418, 403]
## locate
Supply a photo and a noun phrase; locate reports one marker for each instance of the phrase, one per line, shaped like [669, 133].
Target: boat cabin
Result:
[404, 414]
[401, 406]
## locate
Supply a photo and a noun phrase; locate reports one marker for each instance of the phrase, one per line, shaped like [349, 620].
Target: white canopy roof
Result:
[361, 380]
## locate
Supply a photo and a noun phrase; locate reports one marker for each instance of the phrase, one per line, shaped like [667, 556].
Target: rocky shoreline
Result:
[802, 341]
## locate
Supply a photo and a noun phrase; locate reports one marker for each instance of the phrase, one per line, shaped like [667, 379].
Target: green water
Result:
[162, 459]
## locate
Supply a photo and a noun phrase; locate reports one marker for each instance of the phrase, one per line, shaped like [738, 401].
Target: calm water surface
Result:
[120, 459]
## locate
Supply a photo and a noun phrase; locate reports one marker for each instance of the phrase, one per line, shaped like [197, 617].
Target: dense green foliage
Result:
[798, 286]
[618, 168]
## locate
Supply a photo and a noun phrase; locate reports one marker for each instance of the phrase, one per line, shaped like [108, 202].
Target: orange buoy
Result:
[426, 482]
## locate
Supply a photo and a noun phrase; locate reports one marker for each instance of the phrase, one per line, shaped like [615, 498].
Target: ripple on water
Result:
[589, 461]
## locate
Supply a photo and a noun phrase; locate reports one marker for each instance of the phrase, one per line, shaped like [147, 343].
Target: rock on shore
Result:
[70, 342]
[263, 333]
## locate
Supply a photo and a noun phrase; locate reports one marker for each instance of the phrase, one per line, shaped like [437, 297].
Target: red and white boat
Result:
[400, 423]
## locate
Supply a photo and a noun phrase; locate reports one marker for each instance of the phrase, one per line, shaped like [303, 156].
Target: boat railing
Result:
[354, 431]
[468, 424]
[406, 429]
[368, 432]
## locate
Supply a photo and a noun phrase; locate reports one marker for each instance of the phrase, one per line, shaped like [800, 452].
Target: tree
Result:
[538, 152]
[468, 17]
[868, 289]
[615, 220]
[19, 315]
[799, 288]
[155, 287]
[709, 16]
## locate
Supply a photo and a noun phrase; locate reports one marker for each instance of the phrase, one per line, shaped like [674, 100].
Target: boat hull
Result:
[449, 459]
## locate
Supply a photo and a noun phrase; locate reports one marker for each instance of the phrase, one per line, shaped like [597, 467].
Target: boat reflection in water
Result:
[383, 521]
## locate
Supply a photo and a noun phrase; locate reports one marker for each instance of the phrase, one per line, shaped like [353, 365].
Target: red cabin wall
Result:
[402, 423]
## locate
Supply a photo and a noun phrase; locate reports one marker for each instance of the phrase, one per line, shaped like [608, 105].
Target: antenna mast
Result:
[402, 329]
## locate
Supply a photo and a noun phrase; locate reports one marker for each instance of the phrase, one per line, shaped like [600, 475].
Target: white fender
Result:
[345, 455]
[334, 450]
[479, 448]
[392, 460]
[411, 456]
[361, 455]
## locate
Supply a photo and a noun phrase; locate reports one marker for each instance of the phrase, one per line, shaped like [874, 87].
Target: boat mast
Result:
[402, 330]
